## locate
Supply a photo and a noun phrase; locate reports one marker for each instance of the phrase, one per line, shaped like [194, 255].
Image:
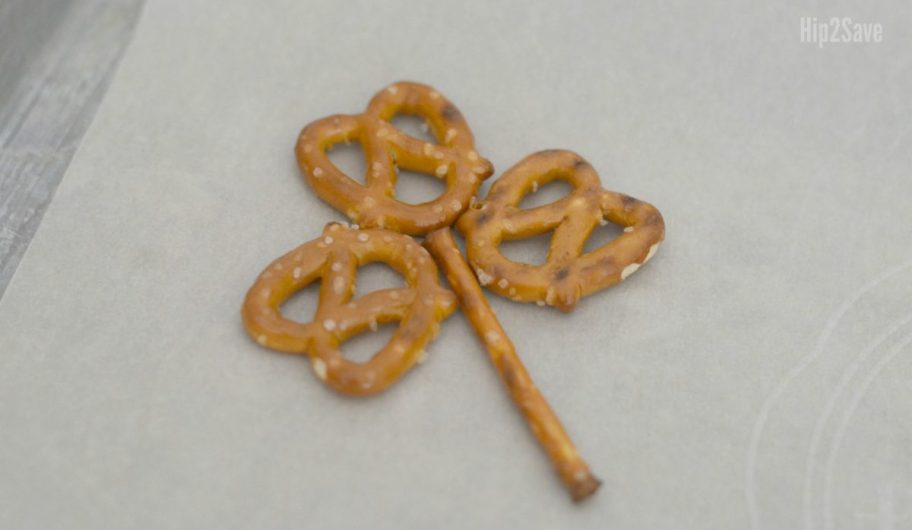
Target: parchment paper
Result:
[753, 375]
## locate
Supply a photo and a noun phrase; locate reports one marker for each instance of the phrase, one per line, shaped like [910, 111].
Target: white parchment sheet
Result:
[754, 375]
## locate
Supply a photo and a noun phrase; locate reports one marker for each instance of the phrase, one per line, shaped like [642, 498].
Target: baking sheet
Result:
[754, 374]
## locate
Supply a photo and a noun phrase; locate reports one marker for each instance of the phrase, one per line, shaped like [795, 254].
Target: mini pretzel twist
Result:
[386, 149]
[567, 274]
[335, 257]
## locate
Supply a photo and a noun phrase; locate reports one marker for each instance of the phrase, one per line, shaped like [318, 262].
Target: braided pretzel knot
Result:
[567, 274]
[386, 148]
[335, 258]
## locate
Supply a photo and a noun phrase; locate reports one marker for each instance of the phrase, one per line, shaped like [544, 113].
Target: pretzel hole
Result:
[413, 187]
[547, 193]
[377, 275]
[415, 126]
[349, 159]
[302, 305]
[530, 250]
[363, 346]
[604, 233]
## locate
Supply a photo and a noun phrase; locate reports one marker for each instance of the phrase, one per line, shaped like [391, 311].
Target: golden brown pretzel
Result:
[335, 257]
[571, 468]
[386, 148]
[567, 274]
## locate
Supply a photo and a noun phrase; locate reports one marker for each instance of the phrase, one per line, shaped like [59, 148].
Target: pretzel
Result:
[571, 468]
[335, 257]
[386, 149]
[567, 275]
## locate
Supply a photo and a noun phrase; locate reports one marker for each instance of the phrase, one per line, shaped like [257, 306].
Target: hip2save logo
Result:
[838, 30]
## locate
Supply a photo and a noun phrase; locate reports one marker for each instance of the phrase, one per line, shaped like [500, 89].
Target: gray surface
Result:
[57, 58]
[754, 374]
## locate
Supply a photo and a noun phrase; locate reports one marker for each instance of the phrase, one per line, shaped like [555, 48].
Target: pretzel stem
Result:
[571, 468]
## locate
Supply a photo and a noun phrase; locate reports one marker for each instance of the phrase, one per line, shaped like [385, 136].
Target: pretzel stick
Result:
[571, 468]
